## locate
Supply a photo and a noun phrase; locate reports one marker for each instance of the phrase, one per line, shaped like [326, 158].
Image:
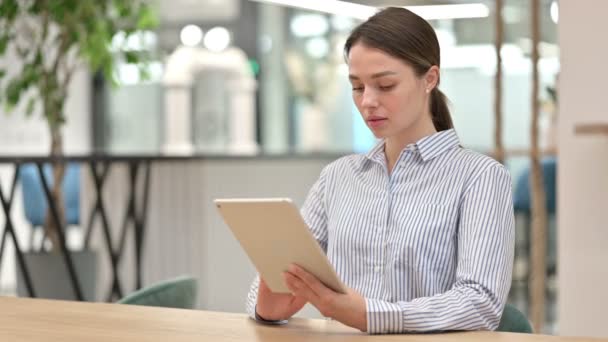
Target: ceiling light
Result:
[317, 47]
[428, 12]
[554, 10]
[309, 25]
[191, 35]
[328, 6]
[458, 11]
[217, 39]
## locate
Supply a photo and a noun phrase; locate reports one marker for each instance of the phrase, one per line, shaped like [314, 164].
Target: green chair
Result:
[513, 320]
[179, 292]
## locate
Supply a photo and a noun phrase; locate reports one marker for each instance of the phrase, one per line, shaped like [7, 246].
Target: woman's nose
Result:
[369, 98]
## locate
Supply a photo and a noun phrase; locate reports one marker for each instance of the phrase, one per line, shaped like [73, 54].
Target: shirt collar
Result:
[436, 144]
[376, 153]
[428, 147]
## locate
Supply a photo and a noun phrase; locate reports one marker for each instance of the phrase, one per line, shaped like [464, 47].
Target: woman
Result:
[420, 229]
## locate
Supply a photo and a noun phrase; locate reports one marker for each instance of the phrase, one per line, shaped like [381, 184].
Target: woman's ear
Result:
[431, 78]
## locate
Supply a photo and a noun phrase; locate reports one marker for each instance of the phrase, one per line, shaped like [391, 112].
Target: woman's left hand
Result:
[349, 308]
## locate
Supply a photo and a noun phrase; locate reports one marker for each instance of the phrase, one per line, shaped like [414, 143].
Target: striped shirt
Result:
[429, 246]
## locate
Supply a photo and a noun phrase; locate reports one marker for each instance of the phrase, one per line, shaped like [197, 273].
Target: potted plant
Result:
[53, 39]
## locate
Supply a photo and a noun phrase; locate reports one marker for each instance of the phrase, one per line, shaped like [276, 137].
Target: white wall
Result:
[583, 170]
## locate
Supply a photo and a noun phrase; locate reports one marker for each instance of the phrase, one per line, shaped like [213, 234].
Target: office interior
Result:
[251, 99]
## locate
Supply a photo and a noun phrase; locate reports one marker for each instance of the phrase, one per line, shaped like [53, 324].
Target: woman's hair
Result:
[404, 35]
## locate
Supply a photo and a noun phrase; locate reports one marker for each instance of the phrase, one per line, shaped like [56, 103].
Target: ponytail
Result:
[440, 111]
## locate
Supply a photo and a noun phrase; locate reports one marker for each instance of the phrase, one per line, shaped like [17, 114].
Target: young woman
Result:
[419, 228]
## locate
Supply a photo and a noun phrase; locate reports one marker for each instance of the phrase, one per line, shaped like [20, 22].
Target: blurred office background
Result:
[292, 114]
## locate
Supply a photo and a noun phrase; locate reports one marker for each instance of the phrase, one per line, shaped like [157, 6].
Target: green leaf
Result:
[147, 19]
[108, 73]
[38, 58]
[112, 28]
[13, 91]
[30, 74]
[87, 10]
[96, 49]
[58, 9]
[124, 9]
[74, 35]
[9, 9]
[2, 73]
[36, 7]
[50, 85]
[132, 57]
[8, 108]
[31, 104]
[144, 72]
[3, 43]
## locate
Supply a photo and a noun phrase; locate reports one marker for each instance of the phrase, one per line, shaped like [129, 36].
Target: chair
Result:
[521, 196]
[179, 292]
[522, 205]
[513, 320]
[34, 198]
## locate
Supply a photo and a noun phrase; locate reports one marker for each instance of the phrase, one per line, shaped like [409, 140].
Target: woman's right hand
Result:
[277, 306]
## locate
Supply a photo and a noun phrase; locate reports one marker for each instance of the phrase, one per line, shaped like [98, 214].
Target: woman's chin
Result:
[379, 134]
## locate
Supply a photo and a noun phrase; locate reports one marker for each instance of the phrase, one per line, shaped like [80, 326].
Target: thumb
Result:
[263, 286]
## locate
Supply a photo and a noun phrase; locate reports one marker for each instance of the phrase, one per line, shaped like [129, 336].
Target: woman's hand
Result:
[349, 308]
[276, 306]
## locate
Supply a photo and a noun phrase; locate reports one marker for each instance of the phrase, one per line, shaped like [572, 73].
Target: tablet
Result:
[274, 235]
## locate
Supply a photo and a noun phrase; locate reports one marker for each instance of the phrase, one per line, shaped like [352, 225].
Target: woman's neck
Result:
[394, 145]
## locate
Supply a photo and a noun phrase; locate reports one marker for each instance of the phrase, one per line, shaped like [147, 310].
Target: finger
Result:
[299, 288]
[323, 304]
[262, 286]
[311, 281]
[292, 284]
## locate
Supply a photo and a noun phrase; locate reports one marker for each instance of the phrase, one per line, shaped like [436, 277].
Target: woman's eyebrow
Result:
[376, 75]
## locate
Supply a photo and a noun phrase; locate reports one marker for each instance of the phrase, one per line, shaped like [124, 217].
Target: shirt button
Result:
[378, 269]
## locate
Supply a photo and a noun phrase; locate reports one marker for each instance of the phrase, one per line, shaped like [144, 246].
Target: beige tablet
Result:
[273, 234]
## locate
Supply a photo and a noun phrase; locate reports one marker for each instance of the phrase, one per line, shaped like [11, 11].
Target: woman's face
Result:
[392, 100]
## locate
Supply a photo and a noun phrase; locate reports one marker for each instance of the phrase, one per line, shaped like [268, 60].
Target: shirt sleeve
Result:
[483, 274]
[314, 210]
[315, 216]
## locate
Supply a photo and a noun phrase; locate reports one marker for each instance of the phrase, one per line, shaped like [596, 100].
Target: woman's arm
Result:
[279, 307]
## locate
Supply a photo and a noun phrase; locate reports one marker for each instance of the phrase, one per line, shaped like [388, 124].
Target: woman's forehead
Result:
[364, 61]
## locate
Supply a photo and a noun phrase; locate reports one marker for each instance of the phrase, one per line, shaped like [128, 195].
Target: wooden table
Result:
[26, 319]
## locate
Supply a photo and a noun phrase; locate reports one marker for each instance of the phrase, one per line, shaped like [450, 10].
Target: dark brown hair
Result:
[404, 35]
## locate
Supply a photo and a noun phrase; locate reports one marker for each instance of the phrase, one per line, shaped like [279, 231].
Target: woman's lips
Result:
[375, 122]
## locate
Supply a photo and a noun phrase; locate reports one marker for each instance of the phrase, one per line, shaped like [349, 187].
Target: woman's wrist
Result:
[261, 319]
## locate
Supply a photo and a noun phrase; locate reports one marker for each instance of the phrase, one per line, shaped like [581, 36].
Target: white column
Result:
[178, 109]
[242, 116]
[177, 84]
[582, 170]
[273, 93]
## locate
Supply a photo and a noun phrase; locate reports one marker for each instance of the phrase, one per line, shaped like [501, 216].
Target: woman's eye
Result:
[357, 88]
[386, 88]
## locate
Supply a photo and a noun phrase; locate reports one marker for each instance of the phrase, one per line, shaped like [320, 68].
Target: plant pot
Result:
[51, 279]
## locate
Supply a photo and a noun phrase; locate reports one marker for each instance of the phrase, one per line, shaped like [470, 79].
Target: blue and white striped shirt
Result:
[429, 246]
